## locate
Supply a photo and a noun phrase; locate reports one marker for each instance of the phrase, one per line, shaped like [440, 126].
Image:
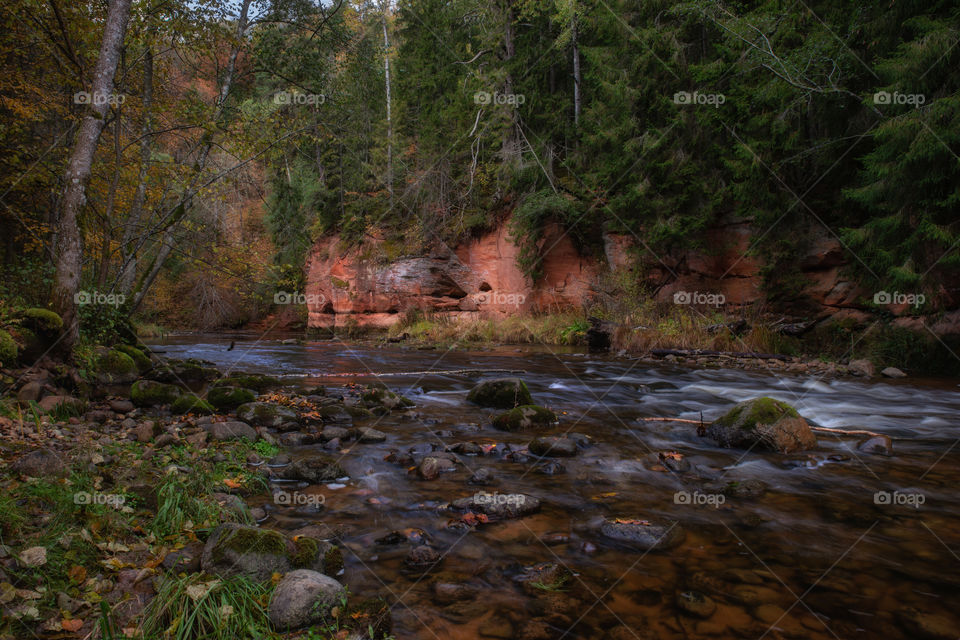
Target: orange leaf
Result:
[77, 574]
[71, 625]
[231, 483]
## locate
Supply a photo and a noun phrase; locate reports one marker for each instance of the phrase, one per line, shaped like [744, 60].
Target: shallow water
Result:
[820, 555]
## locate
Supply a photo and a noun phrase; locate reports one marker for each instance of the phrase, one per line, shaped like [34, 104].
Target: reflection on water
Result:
[841, 544]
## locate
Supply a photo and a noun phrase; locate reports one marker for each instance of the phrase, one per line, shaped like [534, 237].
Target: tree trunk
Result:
[128, 271]
[386, 70]
[576, 70]
[68, 256]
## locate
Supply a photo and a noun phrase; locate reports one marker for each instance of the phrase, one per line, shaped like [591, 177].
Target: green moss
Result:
[759, 411]
[255, 382]
[333, 561]
[139, 357]
[338, 283]
[524, 417]
[358, 412]
[8, 349]
[42, 321]
[502, 393]
[227, 398]
[306, 551]
[250, 540]
[385, 398]
[115, 363]
[148, 393]
[190, 403]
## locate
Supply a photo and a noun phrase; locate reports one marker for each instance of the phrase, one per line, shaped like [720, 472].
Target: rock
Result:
[231, 431]
[466, 449]
[764, 423]
[544, 577]
[149, 393]
[598, 335]
[164, 440]
[190, 403]
[331, 432]
[303, 598]
[431, 467]
[746, 489]
[482, 477]
[316, 469]
[893, 372]
[121, 406]
[422, 558]
[98, 415]
[115, 367]
[264, 414]
[863, 368]
[229, 398]
[140, 359]
[146, 430]
[525, 417]
[551, 468]
[30, 392]
[198, 439]
[8, 349]
[378, 396]
[501, 393]
[183, 371]
[234, 549]
[554, 446]
[368, 435]
[50, 403]
[642, 534]
[447, 589]
[186, 560]
[41, 463]
[258, 383]
[878, 445]
[696, 604]
[498, 506]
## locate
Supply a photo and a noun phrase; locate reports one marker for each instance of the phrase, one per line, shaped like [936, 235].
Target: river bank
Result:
[381, 484]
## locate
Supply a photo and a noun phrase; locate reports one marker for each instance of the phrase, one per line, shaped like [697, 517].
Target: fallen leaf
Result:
[33, 557]
[27, 594]
[198, 591]
[7, 592]
[232, 484]
[77, 574]
[71, 625]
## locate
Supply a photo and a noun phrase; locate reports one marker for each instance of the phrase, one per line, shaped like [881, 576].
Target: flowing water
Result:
[843, 544]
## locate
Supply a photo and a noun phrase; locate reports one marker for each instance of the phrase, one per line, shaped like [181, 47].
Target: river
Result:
[842, 543]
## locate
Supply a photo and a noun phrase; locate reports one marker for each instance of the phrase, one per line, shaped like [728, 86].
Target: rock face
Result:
[303, 598]
[765, 424]
[502, 393]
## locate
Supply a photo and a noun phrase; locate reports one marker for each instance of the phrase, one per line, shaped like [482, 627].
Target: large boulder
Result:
[190, 403]
[149, 393]
[139, 358]
[265, 414]
[763, 423]
[235, 549]
[42, 463]
[525, 417]
[115, 367]
[501, 393]
[304, 598]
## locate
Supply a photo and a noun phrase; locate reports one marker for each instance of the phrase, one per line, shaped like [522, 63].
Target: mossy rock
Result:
[190, 403]
[380, 397]
[265, 414]
[139, 357]
[150, 393]
[42, 321]
[258, 383]
[358, 412]
[765, 424]
[525, 417]
[229, 398]
[315, 469]
[115, 367]
[235, 549]
[8, 349]
[181, 371]
[501, 393]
